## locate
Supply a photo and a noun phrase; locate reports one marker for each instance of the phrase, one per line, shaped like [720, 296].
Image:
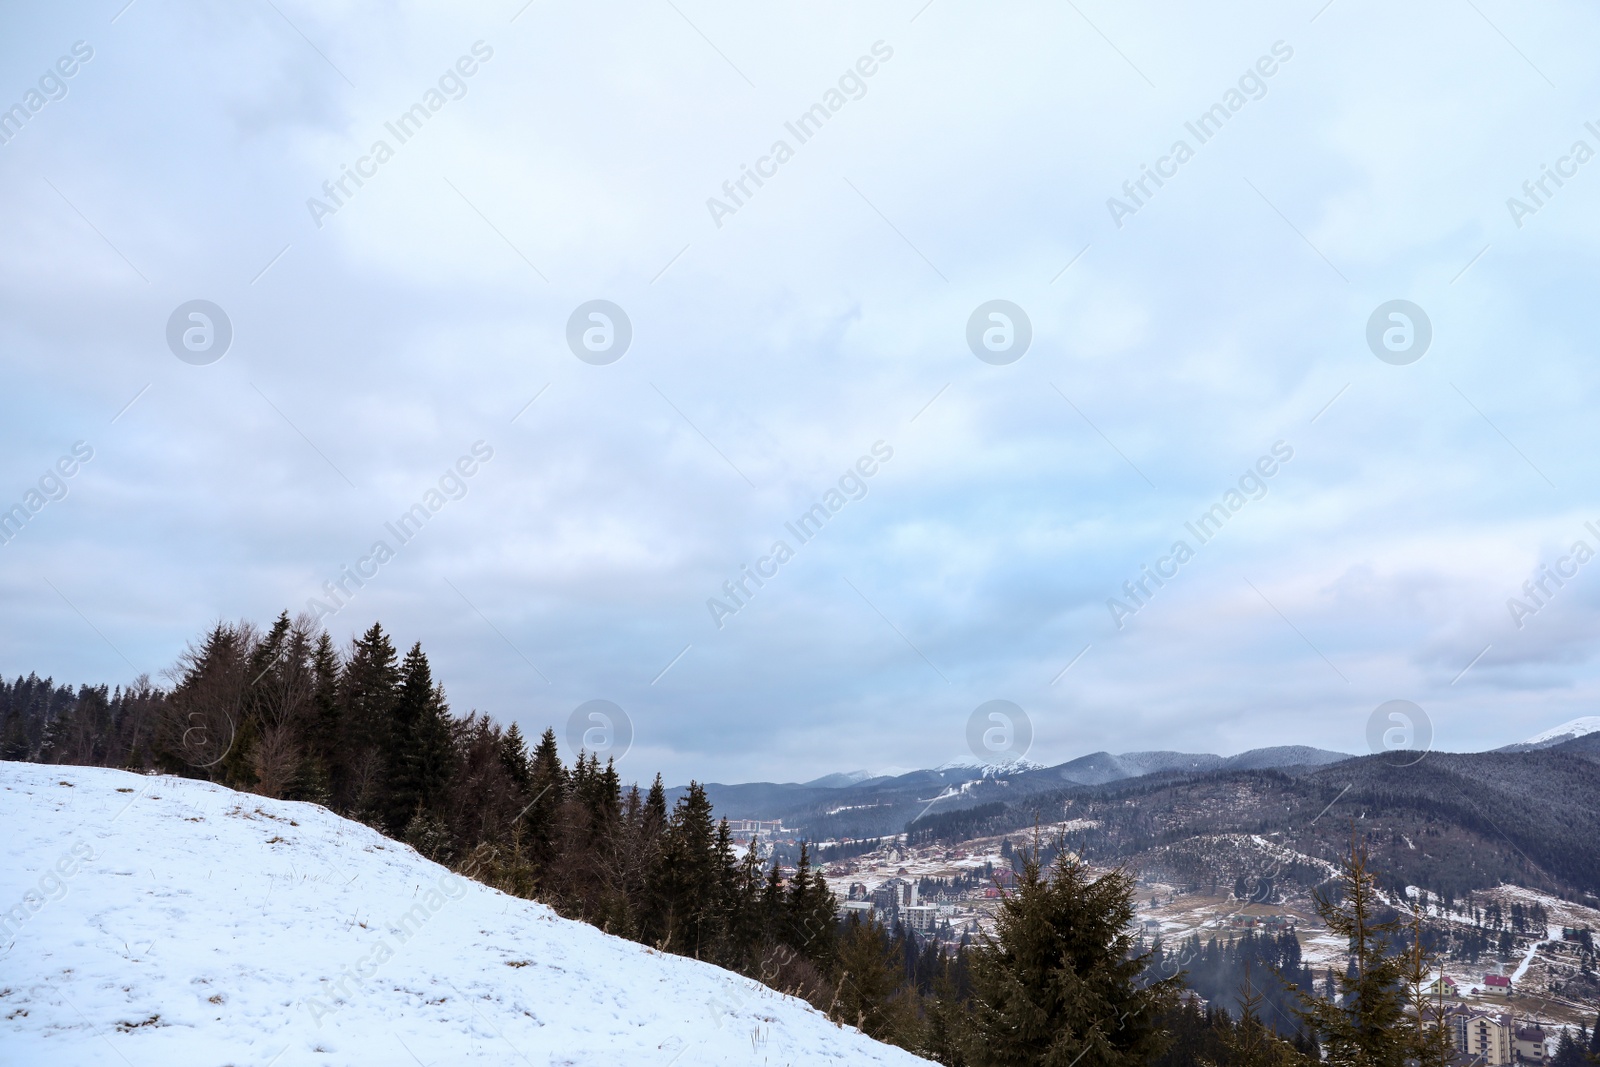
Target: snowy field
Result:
[164, 922]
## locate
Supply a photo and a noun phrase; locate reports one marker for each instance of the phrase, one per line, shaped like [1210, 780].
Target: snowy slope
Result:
[1578, 727]
[161, 921]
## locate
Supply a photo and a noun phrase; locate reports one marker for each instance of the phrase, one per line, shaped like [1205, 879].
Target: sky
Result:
[763, 346]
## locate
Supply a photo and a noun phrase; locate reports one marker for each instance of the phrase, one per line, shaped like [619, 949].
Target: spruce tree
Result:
[868, 987]
[202, 716]
[418, 750]
[548, 788]
[726, 868]
[606, 806]
[811, 915]
[770, 905]
[688, 876]
[1433, 1045]
[260, 690]
[655, 808]
[798, 928]
[1569, 1053]
[1059, 982]
[514, 757]
[368, 689]
[746, 927]
[1366, 1024]
[1250, 1042]
[944, 1034]
[325, 768]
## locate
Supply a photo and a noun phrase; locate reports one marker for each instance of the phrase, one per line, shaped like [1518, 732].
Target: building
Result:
[920, 917]
[860, 908]
[1498, 984]
[744, 831]
[1527, 1045]
[1483, 1036]
[893, 895]
[1445, 985]
[858, 891]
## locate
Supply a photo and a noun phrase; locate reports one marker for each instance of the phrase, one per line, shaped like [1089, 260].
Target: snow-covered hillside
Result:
[1578, 727]
[161, 921]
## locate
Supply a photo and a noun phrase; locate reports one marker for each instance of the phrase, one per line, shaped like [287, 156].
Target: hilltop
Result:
[164, 919]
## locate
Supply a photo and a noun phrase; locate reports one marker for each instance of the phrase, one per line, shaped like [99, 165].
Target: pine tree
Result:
[870, 975]
[202, 716]
[655, 808]
[810, 914]
[1058, 982]
[1432, 1042]
[14, 743]
[772, 902]
[368, 689]
[325, 768]
[687, 879]
[548, 786]
[606, 805]
[418, 750]
[239, 770]
[279, 702]
[746, 927]
[514, 756]
[944, 1035]
[1569, 1053]
[728, 887]
[1250, 1042]
[798, 928]
[1367, 1024]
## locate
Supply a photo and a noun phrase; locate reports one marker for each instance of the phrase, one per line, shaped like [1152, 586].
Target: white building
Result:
[1482, 1035]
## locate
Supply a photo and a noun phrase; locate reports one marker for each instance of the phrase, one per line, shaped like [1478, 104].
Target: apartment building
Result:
[1482, 1035]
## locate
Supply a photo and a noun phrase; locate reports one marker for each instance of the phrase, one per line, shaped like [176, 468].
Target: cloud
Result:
[826, 314]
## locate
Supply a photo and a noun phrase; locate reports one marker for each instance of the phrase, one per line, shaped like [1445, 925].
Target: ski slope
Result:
[160, 921]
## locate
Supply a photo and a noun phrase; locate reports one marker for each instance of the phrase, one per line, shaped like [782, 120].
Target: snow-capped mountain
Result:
[164, 920]
[1579, 727]
[991, 769]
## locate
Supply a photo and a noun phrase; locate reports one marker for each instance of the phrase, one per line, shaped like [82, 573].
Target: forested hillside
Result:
[1451, 823]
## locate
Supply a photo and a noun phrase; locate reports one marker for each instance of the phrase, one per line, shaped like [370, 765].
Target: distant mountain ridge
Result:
[1098, 768]
[1449, 821]
[864, 804]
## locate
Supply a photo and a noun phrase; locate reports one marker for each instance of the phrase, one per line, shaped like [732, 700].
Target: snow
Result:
[1533, 950]
[991, 768]
[157, 920]
[1578, 727]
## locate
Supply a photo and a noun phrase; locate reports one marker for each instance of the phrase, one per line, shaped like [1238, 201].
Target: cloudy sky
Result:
[779, 334]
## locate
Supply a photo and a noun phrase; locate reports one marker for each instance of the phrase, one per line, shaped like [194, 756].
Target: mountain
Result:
[839, 781]
[1450, 822]
[1453, 823]
[830, 808]
[167, 920]
[1280, 756]
[1567, 731]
